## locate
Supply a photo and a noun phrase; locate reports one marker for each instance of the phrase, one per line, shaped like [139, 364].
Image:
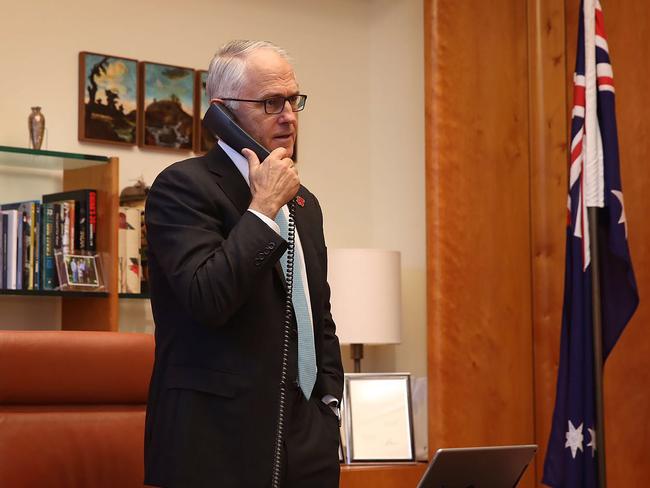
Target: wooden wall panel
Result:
[496, 133]
[627, 372]
[548, 158]
[479, 273]
[97, 313]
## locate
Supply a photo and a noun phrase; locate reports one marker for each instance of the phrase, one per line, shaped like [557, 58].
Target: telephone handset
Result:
[221, 124]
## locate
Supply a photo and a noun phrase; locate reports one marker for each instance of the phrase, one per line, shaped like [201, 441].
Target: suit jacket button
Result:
[271, 245]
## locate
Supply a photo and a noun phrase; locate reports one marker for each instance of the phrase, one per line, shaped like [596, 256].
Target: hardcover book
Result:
[85, 220]
[11, 279]
[25, 236]
[48, 271]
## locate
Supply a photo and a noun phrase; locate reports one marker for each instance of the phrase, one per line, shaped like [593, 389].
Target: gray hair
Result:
[227, 71]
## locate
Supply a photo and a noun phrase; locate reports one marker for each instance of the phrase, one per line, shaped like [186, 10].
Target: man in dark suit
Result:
[218, 298]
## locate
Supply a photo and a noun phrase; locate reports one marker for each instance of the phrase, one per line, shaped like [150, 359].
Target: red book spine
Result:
[91, 230]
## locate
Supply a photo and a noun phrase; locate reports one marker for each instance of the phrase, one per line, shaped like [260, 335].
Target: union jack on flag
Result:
[594, 181]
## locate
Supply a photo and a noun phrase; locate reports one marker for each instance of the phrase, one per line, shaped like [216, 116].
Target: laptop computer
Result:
[478, 467]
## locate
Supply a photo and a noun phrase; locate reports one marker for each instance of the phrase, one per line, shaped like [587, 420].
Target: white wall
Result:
[361, 136]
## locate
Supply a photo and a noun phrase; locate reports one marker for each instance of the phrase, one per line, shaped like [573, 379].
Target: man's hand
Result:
[273, 182]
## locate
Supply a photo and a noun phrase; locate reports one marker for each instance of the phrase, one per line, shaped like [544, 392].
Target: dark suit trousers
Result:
[311, 443]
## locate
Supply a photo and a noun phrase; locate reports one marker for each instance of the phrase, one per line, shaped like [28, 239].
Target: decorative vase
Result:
[36, 123]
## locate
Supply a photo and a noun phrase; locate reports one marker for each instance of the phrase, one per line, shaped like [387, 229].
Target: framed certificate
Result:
[378, 417]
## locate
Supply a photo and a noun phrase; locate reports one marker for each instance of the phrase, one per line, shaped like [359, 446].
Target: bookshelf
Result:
[79, 310]
[137, 296]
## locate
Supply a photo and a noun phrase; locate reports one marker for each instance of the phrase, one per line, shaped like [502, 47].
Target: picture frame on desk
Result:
[166, 103]
[378, 418]
[108, 99]
[79, 271]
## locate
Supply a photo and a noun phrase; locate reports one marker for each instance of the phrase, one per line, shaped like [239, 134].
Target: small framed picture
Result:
[79, 271]
[166, 106]
[108, 111]
[204, 140]
[378, 417]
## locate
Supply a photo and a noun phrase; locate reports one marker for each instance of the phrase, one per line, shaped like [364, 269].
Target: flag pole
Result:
[598, 346]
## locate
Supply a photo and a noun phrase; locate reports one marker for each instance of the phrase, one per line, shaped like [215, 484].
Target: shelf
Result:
[381, 475]
[55, 293]
[22, 157]
[141, 296]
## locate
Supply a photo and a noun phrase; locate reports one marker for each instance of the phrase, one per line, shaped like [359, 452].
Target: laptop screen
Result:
[478, 467]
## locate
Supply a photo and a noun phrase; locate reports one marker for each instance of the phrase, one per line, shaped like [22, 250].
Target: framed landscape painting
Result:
[204, 141]
[167, 106]
[107, 99]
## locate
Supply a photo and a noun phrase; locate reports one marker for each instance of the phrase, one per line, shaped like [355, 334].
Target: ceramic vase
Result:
[36, 122]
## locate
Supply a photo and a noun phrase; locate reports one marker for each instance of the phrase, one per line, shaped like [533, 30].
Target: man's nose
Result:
[287, 115]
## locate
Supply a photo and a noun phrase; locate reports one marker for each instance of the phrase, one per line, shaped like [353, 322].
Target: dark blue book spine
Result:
[3, 269]
[19, 253]
[36, 269]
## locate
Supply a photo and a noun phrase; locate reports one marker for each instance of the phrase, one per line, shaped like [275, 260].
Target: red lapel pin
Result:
[300, 201]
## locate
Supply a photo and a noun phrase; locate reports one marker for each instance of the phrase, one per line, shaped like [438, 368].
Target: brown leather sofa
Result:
[72, 407]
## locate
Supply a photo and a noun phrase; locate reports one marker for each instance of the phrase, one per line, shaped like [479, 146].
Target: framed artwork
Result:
[378, 417]
[107, 99]
[204, 140]
[166, 106]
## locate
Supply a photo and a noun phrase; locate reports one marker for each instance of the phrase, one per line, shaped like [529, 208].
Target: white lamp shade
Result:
[366, 295]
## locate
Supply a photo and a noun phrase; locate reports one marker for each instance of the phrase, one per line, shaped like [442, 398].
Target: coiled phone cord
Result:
[288, 318]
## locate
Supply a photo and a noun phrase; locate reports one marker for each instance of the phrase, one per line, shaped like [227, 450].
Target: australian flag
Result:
[594, 181]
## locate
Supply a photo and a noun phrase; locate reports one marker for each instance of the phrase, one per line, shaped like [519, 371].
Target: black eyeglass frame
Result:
[301, 100]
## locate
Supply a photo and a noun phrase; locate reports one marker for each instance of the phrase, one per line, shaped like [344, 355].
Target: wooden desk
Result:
[402, 475]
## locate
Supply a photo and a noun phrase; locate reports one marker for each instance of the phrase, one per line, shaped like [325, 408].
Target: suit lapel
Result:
[229, 179]
[233, 184]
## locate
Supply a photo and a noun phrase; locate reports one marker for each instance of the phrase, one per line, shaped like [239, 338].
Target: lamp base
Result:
[356, 353]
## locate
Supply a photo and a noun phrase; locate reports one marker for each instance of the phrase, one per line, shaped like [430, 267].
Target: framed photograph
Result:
[204, 140]
[79, 271]
[107, 99]
[167, 106]
[378, 417]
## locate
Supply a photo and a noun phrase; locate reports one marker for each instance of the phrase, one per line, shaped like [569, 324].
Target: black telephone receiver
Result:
[220, 123]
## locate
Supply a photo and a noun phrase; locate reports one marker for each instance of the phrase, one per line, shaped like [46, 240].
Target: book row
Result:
[34, 231]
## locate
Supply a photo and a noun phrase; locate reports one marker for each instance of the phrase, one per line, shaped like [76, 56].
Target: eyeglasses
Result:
[275, 105]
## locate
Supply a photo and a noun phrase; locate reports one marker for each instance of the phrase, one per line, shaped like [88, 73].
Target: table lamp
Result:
[366, 297]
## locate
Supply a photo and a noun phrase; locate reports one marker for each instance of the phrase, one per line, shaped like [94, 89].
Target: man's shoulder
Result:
[195, 169]
[187, 167]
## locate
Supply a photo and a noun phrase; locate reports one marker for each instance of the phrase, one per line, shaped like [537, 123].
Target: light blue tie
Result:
[306, 351]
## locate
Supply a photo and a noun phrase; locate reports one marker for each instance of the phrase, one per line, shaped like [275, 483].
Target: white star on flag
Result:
[574, 439]
[619, 194]
[592, 442]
